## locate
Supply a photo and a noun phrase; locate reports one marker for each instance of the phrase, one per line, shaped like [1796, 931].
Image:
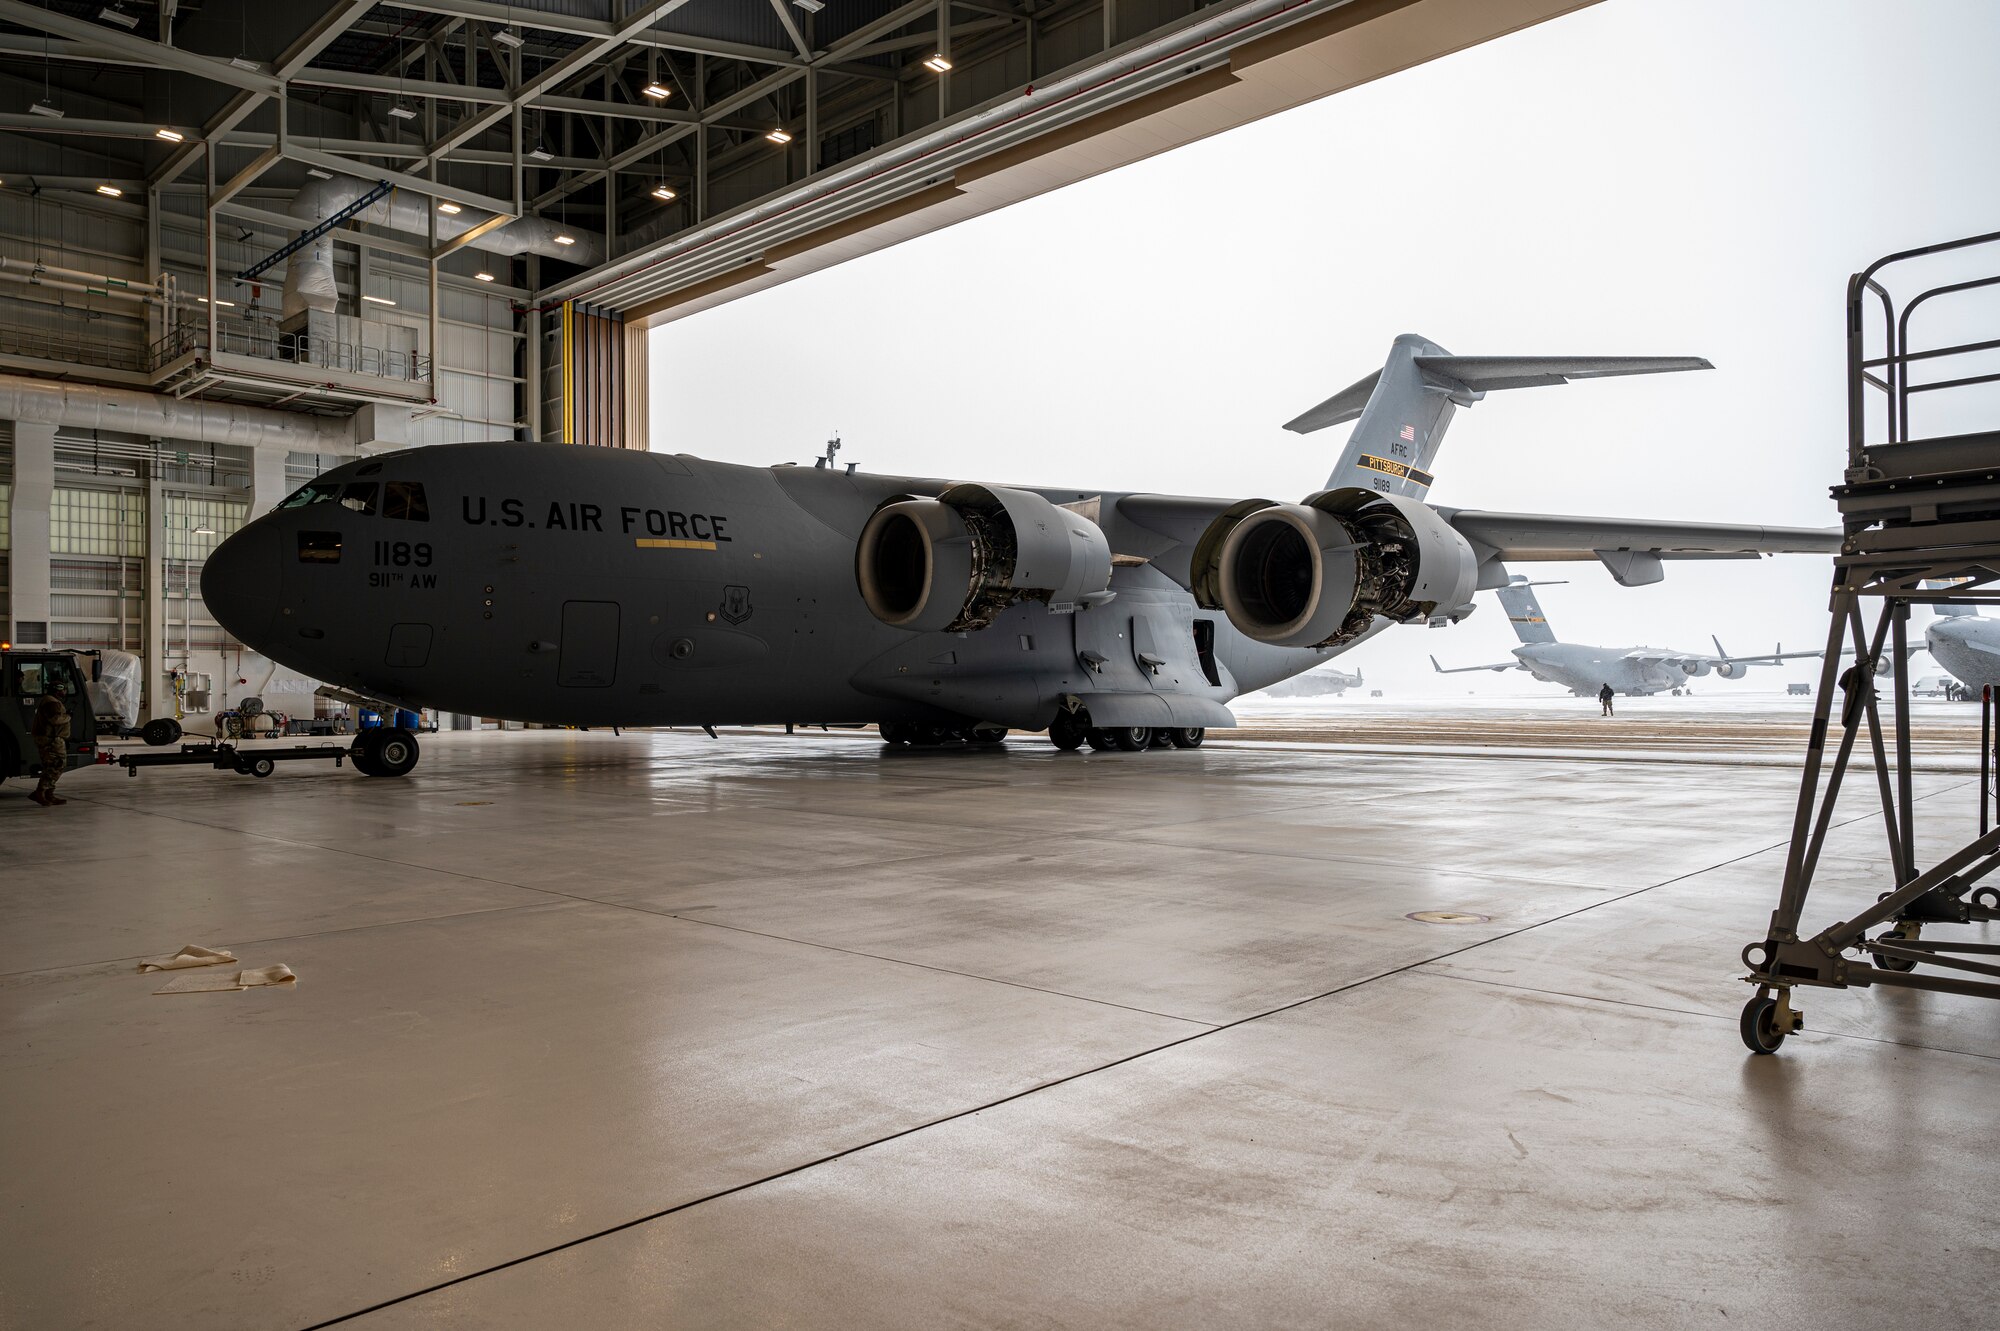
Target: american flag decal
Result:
[1410, 433]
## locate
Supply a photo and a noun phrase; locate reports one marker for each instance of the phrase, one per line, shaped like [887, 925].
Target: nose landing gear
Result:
[384, 751]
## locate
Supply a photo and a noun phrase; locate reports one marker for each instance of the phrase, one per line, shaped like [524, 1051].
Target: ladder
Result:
[1914, 512]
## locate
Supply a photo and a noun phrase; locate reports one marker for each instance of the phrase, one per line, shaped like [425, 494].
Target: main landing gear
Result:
[1068, 732]
[907, 734]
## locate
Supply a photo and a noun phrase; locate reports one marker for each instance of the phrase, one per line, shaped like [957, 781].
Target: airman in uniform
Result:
[51, 732]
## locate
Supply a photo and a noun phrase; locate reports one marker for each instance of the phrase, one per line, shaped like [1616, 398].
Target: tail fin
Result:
[1949, 611]
[1530, 624]
[1404, 407]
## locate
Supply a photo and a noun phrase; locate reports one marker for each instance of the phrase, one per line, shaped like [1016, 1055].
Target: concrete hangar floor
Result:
[655, 1030]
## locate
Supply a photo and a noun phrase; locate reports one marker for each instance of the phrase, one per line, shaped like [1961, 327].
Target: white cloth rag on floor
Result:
[201, 982]
[192, 955]
[279, 974]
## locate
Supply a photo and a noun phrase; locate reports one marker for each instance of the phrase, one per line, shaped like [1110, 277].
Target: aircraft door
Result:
[589, 645]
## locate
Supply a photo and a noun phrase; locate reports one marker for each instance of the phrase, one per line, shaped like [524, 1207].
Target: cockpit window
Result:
[311, 493]
[405, 500]
[359, 496]
[319, 547]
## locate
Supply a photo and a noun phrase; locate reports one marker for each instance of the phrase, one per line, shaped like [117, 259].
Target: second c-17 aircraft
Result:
[1636, 672]
[600, 587]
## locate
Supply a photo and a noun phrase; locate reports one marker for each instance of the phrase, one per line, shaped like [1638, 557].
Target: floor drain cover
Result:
[1446, 917]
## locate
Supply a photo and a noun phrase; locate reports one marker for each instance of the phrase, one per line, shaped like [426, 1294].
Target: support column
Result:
[28, 519]
[159, 691]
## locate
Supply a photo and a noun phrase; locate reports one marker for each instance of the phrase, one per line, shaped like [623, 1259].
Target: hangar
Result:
[589, 1027]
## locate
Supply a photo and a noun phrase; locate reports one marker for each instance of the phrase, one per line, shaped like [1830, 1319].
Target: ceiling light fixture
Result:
[565, 239]
[225, 304]
[45, 107]
[245, 62]
[779, 136]
[170, 135]
[482, 277]
[937, 64]
[318, 174]
[116, 14]
[202, 531]
[664, 192]
[541, 154]
[378, 300]
[810, 6]
[657, 90]
[401, 112]
[111, 191]
[447, 206]
[510, 39]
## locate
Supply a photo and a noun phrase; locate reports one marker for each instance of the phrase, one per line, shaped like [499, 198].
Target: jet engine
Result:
[1731, 669]
[953, 563]
[1695, 669]
[1316, 574]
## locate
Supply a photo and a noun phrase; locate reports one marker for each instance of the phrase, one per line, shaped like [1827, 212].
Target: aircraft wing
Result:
[1631, 548]
[1461, 670]
[1549, 537]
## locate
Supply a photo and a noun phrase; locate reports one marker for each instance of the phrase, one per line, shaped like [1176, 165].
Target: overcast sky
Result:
[1642, 177]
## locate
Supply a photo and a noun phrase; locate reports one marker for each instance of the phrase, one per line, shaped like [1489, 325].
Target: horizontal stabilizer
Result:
[1485, 374]
[1345, 405]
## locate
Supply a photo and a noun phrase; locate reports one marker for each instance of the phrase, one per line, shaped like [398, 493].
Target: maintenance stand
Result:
[1915, 511]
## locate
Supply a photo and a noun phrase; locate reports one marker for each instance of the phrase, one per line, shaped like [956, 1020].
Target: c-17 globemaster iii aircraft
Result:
[600, 587]
[1633, 671]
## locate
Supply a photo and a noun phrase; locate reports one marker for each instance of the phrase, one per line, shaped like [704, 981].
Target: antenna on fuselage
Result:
[832, 447]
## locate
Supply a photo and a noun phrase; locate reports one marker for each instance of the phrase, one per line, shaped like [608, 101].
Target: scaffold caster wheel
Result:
[1987, 897]
[1760, 1025]
[1895, 964]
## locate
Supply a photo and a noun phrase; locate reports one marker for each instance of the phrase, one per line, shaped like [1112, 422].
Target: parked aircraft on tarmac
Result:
[1967, 644]
[1633, 671]
[602, 587]
[1315, 684]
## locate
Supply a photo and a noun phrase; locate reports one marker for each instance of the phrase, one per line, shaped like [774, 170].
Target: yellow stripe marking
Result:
[655, 543]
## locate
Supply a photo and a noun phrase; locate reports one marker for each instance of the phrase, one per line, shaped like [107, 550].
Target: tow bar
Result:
[225, 757]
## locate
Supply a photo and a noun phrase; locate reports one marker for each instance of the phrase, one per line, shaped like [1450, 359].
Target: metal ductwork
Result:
[309, 281]
[83, 407]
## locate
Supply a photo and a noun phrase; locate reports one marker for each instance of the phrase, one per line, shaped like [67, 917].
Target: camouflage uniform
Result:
[51, 732]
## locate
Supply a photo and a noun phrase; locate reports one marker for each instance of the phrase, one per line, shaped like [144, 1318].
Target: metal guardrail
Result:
[296, 349]
[58, 344]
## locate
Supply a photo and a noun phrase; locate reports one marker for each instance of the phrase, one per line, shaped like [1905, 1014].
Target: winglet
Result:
[1434, 665]
[1720, 650]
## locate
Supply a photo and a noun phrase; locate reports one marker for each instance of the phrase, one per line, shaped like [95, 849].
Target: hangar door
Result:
[589, 645]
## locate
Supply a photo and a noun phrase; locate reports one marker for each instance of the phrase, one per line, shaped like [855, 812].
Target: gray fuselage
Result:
[600, 587]
[1968, 646]
[1584, 670]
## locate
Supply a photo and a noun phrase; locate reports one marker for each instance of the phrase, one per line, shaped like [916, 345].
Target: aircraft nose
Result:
[242, 582]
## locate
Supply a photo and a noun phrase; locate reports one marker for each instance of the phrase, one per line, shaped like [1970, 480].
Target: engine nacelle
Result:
[953, 563]
[1731, 669]
[1885, 666]
[1696, 669]
[1316, 574]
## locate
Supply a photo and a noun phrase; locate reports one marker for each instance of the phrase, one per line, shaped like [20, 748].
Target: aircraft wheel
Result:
[1132, 738]
[160, 731]
[988, 734]
[1161, 739]
[1187, 737]
[395, 752]
[1100, 740]
[894, 733]
[1759, 1025]
[1066, 732]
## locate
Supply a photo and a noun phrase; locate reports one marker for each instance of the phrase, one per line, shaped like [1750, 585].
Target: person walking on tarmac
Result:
[51, 732]
[1604, 696]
